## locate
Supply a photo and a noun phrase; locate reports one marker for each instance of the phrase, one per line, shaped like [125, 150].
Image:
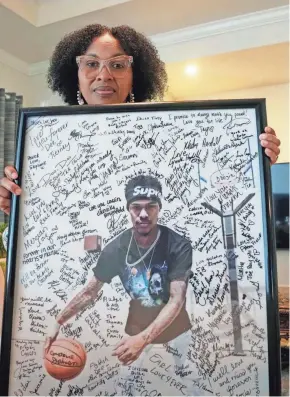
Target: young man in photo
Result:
[154, 264]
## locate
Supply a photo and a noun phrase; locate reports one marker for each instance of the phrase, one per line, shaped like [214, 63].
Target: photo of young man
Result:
[153, 263]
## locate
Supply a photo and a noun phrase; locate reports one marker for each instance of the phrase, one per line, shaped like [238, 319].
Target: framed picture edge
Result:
[259, 104]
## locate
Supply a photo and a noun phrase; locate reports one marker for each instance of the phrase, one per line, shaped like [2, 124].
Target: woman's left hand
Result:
[271, 144]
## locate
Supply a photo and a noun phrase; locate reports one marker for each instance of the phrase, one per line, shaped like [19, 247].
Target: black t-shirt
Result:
[148, 282]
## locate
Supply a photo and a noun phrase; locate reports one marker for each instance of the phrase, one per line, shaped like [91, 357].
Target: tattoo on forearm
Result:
[168, 313]
[82, 300]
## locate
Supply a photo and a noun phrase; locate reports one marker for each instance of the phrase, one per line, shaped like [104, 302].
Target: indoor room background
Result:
[213, 50]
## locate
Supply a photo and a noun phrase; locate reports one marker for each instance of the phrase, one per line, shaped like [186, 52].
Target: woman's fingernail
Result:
[14, 175]
[17, 191]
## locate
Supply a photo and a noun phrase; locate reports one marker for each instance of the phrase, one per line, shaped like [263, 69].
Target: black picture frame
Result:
[265, 176]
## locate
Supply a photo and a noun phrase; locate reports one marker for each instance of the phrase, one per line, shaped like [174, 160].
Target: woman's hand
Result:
[271, 144]
[7, 186]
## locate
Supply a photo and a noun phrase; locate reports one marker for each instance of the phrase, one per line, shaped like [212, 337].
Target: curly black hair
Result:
[149, 74]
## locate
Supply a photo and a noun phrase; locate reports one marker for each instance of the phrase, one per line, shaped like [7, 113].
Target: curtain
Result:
[10, 103]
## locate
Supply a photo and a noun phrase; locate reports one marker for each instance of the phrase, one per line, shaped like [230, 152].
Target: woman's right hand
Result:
[7, 186]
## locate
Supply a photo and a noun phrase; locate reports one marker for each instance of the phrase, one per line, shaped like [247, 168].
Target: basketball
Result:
[65, 359]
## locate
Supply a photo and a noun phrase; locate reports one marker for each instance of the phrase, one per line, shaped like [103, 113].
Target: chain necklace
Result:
[152, 246]
[148, 268]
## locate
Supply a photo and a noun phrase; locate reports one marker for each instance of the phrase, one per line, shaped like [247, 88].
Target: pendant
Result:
[134, 271]
[148, 273]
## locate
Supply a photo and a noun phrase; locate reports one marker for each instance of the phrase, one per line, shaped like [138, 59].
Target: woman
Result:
[97, 65]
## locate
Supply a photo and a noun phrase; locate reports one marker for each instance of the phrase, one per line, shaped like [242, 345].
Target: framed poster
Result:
[141, 256]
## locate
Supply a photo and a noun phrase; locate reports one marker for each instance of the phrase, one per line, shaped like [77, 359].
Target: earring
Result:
[132, 97]
[80, 98]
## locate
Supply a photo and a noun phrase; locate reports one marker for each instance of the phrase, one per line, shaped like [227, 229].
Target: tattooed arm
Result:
[129, 349]
[82, 300]
[168, 313]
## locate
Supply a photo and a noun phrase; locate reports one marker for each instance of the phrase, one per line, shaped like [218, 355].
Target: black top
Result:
[148, 282]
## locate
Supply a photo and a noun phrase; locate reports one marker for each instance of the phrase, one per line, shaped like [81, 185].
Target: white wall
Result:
[14, 81]
[41, 94]
[33, 88]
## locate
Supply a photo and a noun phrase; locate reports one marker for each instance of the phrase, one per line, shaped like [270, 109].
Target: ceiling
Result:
[235, 44]
[34, 42]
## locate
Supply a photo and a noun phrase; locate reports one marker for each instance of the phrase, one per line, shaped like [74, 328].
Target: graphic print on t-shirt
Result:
[150, 291]
[148, 281]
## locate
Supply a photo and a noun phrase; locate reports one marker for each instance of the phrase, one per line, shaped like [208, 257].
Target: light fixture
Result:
[191, 70]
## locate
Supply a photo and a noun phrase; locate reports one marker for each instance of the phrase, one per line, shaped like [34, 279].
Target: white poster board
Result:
[189, 242]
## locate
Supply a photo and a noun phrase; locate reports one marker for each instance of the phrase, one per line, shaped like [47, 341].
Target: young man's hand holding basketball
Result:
[53, 335]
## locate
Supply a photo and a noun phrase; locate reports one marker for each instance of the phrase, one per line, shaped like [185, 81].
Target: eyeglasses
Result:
[149, 208]
[91, 66]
